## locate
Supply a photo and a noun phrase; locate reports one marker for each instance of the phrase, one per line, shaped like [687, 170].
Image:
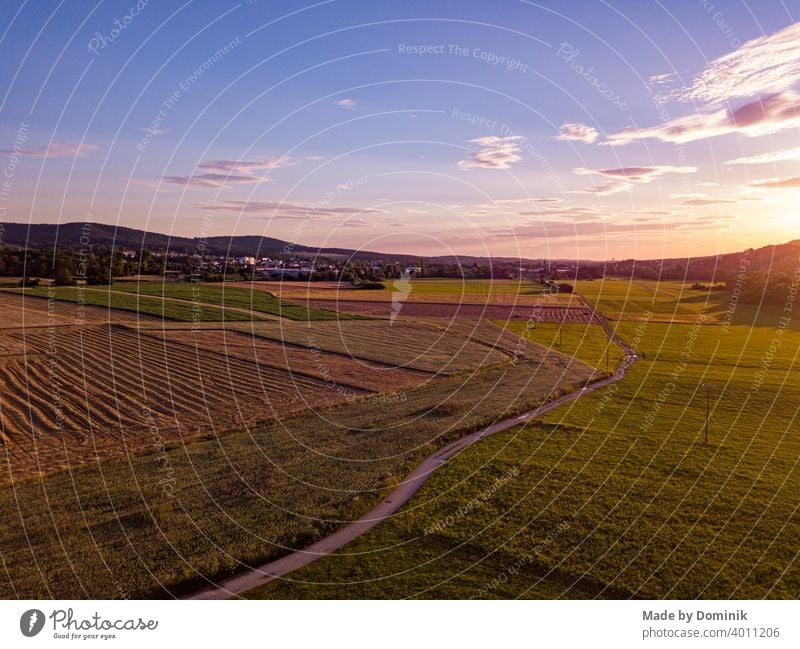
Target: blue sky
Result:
[583, 129]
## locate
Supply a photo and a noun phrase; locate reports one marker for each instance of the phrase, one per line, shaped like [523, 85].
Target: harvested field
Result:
[488, 333]
[577, 314]
[334, 369]
[402, 344]
[245, 497]
[85, 393]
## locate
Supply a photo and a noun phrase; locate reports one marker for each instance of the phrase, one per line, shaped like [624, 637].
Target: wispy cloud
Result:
[214, 180]
[284, 210]
[777, 183]
[263, 163]
[347, 103]
[764, 116]
[502, 203]
[226, 173]
[624, 178]
[766, 158]
[494, 153]
[635, 174]
[56, 150]
[763, 65]
[574, 132]
[702, 202]
[766, 69]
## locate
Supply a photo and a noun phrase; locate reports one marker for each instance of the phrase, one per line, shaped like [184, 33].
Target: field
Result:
[402, 344]
[79, 394]
[586, 342]
[195, 450]
[157, 522]
[455, 309]
[484, 292]
[615, 495]
[185, 302]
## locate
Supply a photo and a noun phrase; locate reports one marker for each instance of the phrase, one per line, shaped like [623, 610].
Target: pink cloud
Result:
[495, 153]
[573, 132]
[56, 150]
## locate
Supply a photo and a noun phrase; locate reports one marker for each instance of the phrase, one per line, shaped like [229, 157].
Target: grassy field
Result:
[520, 292]
[153, 306]
[152, 523]
[621, 298]
[230, 298]
[586, 342]
[614, 495]
[184, 302]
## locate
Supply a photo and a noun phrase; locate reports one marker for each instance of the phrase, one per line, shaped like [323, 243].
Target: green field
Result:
[475, 286]
[621, 298]
[152, 306]
[185, 302]
[586, 342]
[615, 495]
[231, 298]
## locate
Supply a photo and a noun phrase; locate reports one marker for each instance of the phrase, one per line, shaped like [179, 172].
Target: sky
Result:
[579, 130]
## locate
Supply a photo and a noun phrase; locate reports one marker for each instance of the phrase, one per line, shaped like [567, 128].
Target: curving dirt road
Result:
[404, 491]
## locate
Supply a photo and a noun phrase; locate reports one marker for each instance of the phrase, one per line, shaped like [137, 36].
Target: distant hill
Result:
[68, 236]
[71, 236]
[779, 258]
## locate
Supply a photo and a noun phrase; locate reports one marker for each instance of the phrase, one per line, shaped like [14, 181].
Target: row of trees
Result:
[65, 267]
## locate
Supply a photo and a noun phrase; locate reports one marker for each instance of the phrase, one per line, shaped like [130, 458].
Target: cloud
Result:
[56, 150]
[776, 183]
[624, 178]
[347, 103]
[766, 68]
[606, 189]
[663, 79]
[764, 116]
[495, 153]
[763, 65]
[701, 202]
[765, 158]
[635, 174]
[563, 210]
[573, 132]
[214, 180]
[264, 163]
[224, 173]
[284, 210]
[502, 203]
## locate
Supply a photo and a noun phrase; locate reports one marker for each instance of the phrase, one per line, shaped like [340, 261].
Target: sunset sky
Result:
[585, 129]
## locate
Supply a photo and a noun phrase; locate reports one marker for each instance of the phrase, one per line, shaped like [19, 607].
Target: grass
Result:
[166, 309]
[230, 298]
[148, 525]
[185, 302]
[626, 299]
[596, 501]
[586, 342]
